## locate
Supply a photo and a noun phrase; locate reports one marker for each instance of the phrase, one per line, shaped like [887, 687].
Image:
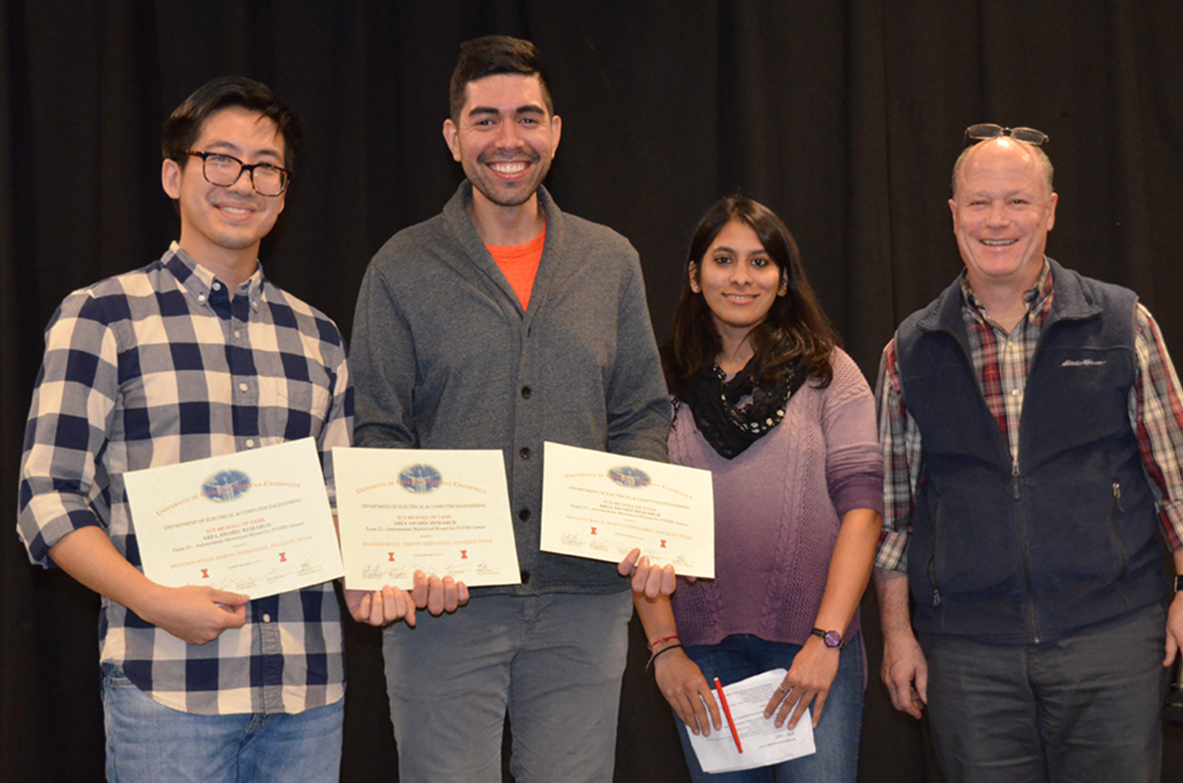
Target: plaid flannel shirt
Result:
[1001, 363]
[160, 366]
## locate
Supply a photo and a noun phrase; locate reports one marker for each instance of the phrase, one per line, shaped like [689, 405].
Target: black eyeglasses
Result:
[224, 170]
[988, 130]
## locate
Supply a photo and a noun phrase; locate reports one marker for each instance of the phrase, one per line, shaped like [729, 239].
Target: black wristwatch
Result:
[832, 639]
[1179, 583]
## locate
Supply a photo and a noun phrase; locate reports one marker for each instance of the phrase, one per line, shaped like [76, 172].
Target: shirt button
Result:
[266, 618]
[1014, 392]
[201, 297]
[250, 444]
[526, 392]
[237, 334]
[524, 514]
[242, 386]
[216, 286]
[524, 453]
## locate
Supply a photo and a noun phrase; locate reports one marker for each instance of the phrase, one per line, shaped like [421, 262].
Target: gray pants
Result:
[553, 662]
[1083, 708]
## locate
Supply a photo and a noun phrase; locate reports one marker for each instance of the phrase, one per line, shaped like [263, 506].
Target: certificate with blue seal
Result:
[255, 522]
[441, 511]
[601, 506]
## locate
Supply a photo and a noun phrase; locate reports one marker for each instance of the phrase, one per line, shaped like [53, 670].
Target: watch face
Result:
[832, 639]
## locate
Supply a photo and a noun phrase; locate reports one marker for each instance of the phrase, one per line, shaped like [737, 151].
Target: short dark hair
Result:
[492, 55]
[795, 328]
[183, 126]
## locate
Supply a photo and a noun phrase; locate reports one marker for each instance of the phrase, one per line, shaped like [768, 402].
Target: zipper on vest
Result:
[1021, 520]
[1114, 516]
[932, 560]
[932, 579]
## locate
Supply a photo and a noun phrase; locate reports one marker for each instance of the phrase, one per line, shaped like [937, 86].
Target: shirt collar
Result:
[199, 281]
[1034, 297]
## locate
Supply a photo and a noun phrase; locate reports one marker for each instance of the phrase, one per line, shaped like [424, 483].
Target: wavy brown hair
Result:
[795, 328]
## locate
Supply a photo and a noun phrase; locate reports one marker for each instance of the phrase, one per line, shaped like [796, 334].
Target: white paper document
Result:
[600, 506]
[763, 743]
[443, 512]
[255, 522]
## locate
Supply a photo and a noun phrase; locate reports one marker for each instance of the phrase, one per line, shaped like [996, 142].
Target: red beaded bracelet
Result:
[659, 639]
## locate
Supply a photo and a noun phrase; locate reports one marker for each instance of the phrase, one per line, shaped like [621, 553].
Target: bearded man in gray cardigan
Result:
[499, 324]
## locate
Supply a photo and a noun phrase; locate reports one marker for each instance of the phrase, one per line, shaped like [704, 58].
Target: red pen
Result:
[727, 712]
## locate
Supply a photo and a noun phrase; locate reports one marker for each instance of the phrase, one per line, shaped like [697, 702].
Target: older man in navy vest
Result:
[1032, 427]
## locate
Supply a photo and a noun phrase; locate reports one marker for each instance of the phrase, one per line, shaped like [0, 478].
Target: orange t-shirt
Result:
[519, 264]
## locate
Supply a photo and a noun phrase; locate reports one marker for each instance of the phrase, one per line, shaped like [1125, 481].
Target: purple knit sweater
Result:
[778, 507]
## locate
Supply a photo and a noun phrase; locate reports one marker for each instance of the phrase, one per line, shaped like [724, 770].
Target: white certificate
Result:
[443, 512]
[763, 743]
[600, 506]
[255, 522]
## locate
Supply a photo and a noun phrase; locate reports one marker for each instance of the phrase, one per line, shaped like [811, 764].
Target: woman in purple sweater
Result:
[785, 422]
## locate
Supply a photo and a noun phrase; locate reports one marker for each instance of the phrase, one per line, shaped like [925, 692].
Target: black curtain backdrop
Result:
[843, 116]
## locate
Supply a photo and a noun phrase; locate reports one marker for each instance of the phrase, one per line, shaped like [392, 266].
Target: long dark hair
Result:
[795, 329]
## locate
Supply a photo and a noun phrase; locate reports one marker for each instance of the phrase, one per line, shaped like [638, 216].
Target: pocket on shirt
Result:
[289, 410]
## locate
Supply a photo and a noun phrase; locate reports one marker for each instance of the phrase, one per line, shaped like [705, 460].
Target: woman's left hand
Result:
[809, 679]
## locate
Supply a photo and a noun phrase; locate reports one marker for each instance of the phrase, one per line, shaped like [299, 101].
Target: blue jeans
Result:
[553, 662]
[837, 734]
[148, 742]
[1084, 707]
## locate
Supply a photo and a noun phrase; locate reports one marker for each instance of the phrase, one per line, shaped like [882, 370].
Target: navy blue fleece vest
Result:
[1064, 537]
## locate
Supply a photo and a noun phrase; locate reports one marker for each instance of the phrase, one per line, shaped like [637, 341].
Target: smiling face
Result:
[505, 139]
[221, 227]
[739, 282]
[1002, 210]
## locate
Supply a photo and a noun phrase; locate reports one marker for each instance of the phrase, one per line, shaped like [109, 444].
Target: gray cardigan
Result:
[445, 358]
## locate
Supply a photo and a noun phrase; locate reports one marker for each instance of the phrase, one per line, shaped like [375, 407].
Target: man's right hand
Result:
[905, 672]
[194, 614]
[380, 608]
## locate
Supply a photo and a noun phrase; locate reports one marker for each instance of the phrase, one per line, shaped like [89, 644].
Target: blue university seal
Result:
[419, 478]
[629, 477]
[226, 485]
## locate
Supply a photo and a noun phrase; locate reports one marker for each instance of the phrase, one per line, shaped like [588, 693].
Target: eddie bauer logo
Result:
[1081, 363]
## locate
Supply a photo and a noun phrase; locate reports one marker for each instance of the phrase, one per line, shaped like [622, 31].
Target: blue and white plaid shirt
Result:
[160, 366]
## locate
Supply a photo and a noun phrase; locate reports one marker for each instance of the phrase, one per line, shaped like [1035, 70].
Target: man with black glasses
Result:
[1032, 425]
[196, 355]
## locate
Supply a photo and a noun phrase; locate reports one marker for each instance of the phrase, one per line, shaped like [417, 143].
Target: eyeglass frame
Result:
[286, 176]
[1043, 138]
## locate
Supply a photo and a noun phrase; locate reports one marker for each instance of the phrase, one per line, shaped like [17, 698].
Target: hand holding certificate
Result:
[441, 512]
[754, 741]
[255, 522]
[601, 506]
